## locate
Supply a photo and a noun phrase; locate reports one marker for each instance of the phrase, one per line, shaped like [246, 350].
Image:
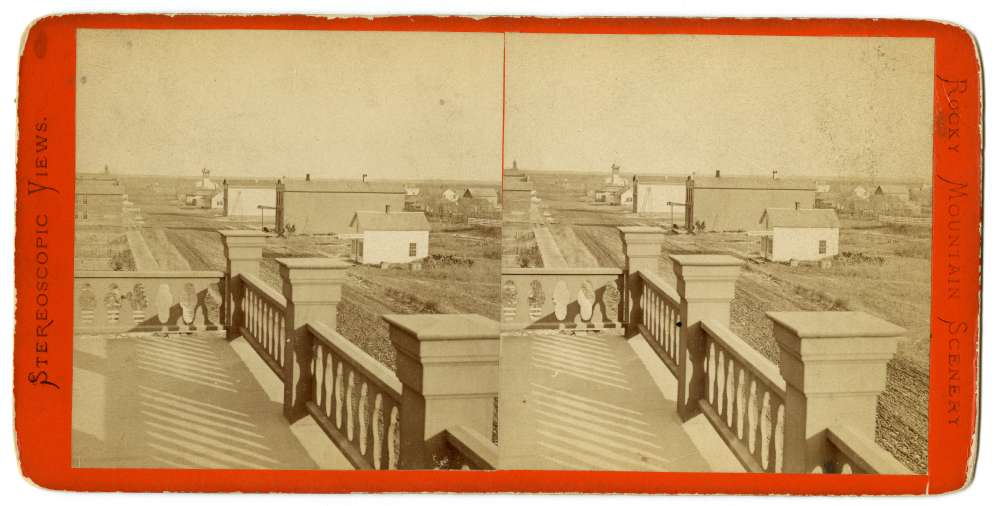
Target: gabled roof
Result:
[343, 186]
[481, 193]
[517, 186]
[748, 183]
[249, 183]
[394, 220]
[660, 180]
[783, 217]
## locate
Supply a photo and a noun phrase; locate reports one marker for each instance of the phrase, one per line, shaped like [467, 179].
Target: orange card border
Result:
[44, 268]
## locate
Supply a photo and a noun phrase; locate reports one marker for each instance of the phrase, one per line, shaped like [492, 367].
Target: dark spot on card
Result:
[41, 45]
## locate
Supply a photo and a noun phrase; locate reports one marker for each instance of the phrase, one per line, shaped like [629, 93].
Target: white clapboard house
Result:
[799, 234]
[392, 237]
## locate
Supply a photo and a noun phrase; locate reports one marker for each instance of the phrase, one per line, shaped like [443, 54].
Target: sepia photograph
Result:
[527, 253]
[716, 253]
[287, 249]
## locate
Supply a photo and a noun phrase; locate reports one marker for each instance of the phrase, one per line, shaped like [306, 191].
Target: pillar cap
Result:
[834, 324]
[706, 260]
[445, 327]
[312, 263]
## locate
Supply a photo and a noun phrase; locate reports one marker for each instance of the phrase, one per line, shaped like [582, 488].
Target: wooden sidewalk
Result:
[183, 401]
[587, 402]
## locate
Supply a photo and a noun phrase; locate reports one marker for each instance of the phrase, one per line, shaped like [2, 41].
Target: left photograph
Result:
[287, 249]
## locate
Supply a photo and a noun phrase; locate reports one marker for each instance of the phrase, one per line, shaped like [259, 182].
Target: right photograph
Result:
[716, 253]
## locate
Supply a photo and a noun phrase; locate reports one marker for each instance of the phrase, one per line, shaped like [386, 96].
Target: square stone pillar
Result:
[243, 250]
[707, 287]
[834, 365]
[449, 365]
[642, 251]
[312, 289]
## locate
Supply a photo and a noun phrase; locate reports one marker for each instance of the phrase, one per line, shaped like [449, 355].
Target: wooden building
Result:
[249, 198]
[736, 204]
[799, 234]
[659, 194]
[392, 237]
[328, 207]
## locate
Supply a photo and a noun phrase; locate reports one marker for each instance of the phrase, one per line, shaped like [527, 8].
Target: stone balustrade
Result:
[436, 408]
[355, 400]
[834, 364]
[813, 413]
[450, 369]
[575, 298]
[149, 301]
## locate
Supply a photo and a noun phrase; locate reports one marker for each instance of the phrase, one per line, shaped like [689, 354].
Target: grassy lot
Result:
[101, 249]
[463, 276]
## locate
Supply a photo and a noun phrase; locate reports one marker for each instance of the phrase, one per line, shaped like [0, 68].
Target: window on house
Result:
[413, 249]
[822, 247]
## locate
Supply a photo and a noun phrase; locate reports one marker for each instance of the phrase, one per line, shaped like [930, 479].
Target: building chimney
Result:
[796, 206]
[718, 173]
[364, 178]
[307, 176]
[387, 207]
[774, 174]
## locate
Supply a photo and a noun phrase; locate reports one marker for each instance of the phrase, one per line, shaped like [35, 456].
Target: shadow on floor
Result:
[183, 401]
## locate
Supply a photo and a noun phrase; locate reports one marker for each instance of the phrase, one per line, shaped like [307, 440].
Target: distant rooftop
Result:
[517, 186]
[98, 187]
[892, 189]
[250, 183]
[481, 193]
[96, 176]
[748, 183]
[783, 217]
[343, 186]
[650, 180]
[393, 220]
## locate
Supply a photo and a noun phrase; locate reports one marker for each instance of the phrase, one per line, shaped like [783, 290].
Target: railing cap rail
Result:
[258, 285]
[148, 274]
[707, 260]
[477, 448]
[445, 327]
[365, 363]
[313, 263]
[660, 285]
[763, 368]
[560, 271]
[834, 324]
[863, 453]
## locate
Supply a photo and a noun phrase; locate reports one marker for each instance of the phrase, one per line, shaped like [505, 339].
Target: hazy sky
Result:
[428, 105]
[272, 103]
[743, 105]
